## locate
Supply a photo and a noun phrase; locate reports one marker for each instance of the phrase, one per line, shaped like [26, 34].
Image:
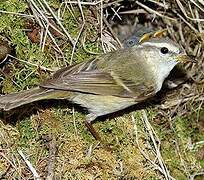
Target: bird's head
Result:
[162, 55]
[165, 51]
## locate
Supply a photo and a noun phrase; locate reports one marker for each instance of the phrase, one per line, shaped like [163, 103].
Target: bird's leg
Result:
[88, 123]
[90, 127]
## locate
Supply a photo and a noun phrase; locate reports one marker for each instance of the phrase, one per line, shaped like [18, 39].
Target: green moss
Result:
[15, 6]
[7, 85]
[26, 133]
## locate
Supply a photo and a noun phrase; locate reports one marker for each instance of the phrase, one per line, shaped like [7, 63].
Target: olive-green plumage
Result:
[108, 83]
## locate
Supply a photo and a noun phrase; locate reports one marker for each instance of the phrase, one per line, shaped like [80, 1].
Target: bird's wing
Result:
[88, 78]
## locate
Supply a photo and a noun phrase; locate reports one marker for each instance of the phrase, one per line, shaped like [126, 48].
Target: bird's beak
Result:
[184, 58]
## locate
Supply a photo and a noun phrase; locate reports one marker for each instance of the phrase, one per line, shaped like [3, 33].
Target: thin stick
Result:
[44, 25]
[31, 168]
[74, 121]
[180, 5]
[83, 3]
[9, 161]
[101, 23]
[153, 11]
[195, 98]
[43, 17]
[116, 13]
[45, 37]
[18, 14]
[59, 23]
[192, 177]
[165, 6]
[52, 157]
[32, 64]
[185, 21]
[75, 43]
[156, 144]
[112, 32]
[138, 145]
[201, 1]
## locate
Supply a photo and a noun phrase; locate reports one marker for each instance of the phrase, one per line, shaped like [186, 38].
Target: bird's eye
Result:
[164, 50]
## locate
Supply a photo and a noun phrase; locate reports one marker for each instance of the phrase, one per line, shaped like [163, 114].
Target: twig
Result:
[161, 165]
[138, 145]
[180, 5]
[75, 43]
[192, 177]
[18, 14]
[116, 13]
[156, 143]
[201, 1]
[101, 23]
[74, 121]
[32, 64]
[82, 3]
[153, 11]
[134, 11]
[52, 157]
[172, 103]
[164, 5]
[176, 141]
[59, 23]
[112, 32]
[44, 23]
[89, 152]
[31, 168]
[9, 161]
[43, 17]
[189, 24]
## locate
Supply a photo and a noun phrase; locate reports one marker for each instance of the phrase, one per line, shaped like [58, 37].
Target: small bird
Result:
[108, 83]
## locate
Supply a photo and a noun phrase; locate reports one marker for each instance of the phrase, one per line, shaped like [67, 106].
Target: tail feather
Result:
[10, 101]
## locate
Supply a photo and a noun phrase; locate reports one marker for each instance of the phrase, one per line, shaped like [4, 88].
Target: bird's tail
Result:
[10, 101]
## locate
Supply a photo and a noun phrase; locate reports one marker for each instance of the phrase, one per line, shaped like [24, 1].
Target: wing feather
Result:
[88, 78]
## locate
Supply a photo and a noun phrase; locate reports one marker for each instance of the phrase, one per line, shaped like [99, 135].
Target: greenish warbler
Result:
[110, 82]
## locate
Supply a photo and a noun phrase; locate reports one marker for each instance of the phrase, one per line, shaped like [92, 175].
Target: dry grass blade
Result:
[83, 3]
[112, 32]
[192, 177]
[196, 4]
[162, 4]
[156, 146]
[146, 156]
[154, 12]
[194, 98]
[45, 24]
[32, 64]
[156, 143]
[185, 13]
[18, 14]
[80, 32]
[59, 22]
[9, 161]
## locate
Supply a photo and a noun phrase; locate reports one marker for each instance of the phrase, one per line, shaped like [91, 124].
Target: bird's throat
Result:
[162, 71]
